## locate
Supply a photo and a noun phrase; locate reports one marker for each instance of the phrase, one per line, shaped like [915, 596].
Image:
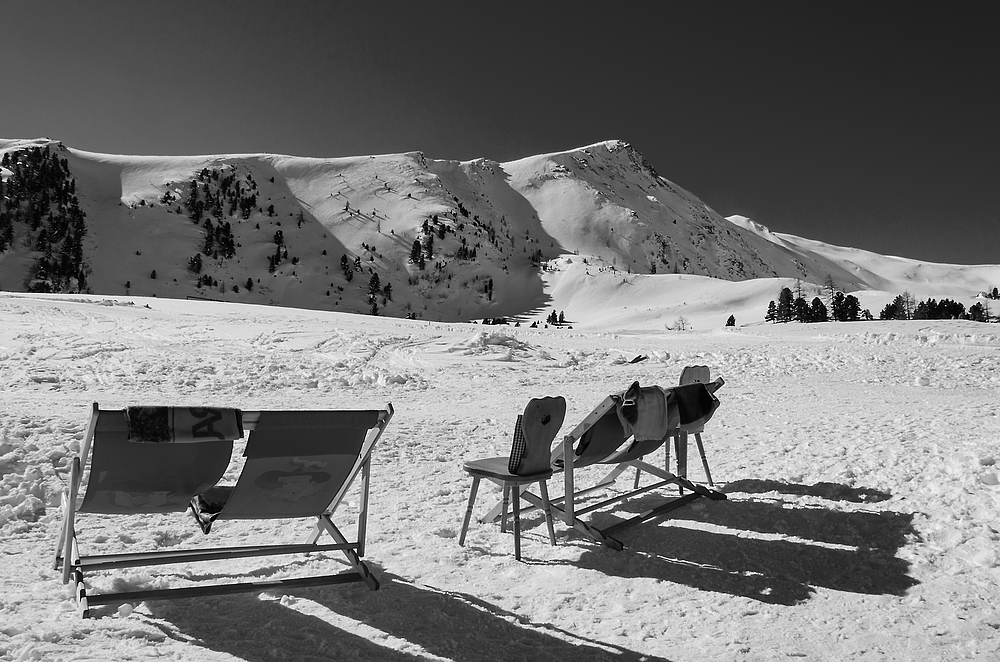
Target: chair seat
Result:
[496, 468]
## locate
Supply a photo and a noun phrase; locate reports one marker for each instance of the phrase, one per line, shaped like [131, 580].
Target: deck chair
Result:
[620, 432]
[528, 463]
[162, 460]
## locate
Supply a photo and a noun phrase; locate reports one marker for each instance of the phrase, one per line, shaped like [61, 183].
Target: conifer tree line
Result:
[41, 195]
[846, 308]
[793, 307]
[905, 307]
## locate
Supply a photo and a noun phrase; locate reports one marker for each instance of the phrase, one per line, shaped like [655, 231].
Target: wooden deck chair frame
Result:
[564, 459]
[74, 565]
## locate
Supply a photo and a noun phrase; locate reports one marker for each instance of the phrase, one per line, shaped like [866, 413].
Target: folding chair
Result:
[607, 436]
[298, 464]
[528, 463]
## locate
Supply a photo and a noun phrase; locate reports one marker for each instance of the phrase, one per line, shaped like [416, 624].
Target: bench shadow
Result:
[791, 549]
[401, 622]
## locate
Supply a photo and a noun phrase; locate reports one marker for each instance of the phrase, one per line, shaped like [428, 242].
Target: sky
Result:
[872, 125]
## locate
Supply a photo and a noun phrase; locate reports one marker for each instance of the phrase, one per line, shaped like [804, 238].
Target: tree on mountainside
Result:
[889, 312]
[785, 302]
[772, 312]
[817, 311]
[830, 288]
[800, 310]
[979, 313]
[852, 309]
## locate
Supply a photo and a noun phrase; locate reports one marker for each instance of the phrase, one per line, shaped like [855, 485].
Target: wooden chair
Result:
[692, 374]
[528, 463]
[164, 459]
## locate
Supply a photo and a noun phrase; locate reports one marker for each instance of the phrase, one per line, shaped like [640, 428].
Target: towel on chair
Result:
[646, 413]
[182, 424]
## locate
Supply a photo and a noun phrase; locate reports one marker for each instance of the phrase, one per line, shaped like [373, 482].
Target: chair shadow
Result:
[412, 621]
[797, 549]
[832, 491]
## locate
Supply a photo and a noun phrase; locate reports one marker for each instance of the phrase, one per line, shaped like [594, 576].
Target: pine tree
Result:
[801, 310]
[830, 288]
[817, 312]
[732, 320]
[785, 302]
[772, 312]
[852, 308]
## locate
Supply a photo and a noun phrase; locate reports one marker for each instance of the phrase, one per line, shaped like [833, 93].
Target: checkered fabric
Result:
[518, 448]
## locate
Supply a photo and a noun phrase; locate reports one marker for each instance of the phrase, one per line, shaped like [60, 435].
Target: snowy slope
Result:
[883, 272]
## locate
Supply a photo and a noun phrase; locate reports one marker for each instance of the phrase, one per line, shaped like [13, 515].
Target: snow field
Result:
[861, 520]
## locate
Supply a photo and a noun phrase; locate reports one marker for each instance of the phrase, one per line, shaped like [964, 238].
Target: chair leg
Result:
[666, 453]
[704, 460]
[680, 450]
[638, 474]
[547, 509]
[503, 512]
[468, 511]
[517, 523]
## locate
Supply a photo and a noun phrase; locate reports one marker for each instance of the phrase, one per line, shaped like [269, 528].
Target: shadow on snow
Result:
[765, 549]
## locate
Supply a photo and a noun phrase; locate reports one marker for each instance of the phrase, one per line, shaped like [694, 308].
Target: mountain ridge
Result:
[492, 236]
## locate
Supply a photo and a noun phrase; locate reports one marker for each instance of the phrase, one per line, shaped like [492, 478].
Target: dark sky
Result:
[866, 124]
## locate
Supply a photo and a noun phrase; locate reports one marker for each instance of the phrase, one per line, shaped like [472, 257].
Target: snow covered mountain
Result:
[408, 236]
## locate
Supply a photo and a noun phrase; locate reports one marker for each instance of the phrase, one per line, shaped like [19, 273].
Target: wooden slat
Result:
[221, 589]
[109, 561]
[622, 497]
[660, 510]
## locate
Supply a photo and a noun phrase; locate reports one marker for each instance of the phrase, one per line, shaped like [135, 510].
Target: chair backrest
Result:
[696, 404]
[533, 435]
[297, 462]
[129, 474]
[695, 374]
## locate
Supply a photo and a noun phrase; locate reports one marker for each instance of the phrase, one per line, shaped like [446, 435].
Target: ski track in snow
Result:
[859, 463]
